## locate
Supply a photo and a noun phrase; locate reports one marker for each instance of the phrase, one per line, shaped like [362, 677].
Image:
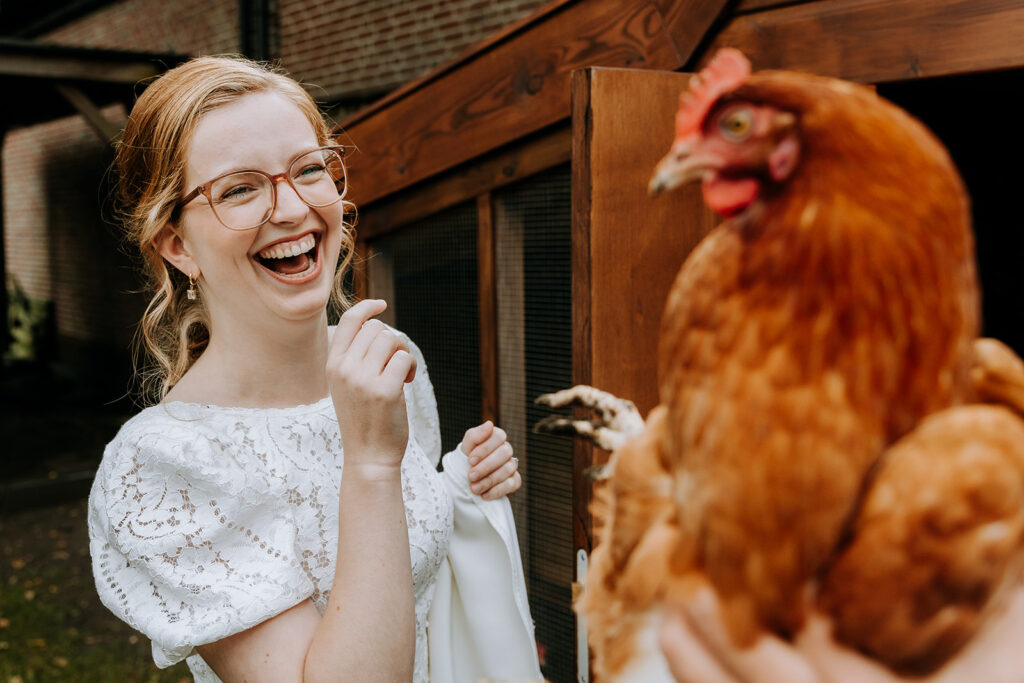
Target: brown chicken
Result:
[817, 359]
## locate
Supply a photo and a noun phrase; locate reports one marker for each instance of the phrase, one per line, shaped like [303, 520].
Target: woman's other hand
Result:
[493, 466]
[367, 366]
[698, 648]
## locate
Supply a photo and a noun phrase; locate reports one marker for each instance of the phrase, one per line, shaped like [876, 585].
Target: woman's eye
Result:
[236, 193]
[737, 124]
[310, 171]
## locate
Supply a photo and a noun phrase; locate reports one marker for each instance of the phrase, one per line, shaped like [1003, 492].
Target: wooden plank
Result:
[628, 246]
[582, 303]
[68, 68]
[510, 294]
[487, 309]
[687, 22]
[744, 6]
[106, 131]
[517, 87]
[497, 170]
[876, 41]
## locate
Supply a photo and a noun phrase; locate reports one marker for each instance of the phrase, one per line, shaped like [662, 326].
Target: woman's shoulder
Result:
[167, 441]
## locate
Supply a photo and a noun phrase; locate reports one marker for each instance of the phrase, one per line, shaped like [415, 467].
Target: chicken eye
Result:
[737, 124]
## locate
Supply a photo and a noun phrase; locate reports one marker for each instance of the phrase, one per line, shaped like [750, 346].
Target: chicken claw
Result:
[617, 420]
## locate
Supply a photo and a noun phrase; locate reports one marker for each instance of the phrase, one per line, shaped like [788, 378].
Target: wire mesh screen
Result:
[435, 300]
[532, 221]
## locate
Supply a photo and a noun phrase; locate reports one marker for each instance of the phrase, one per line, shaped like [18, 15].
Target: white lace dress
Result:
[206, 521]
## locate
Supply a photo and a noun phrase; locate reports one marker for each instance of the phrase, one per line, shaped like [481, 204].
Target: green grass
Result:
[52, 624]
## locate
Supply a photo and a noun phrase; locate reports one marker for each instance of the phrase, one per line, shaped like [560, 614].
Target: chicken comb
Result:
[728, 69]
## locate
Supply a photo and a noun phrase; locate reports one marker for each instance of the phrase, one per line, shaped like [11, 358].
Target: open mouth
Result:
[292, 260]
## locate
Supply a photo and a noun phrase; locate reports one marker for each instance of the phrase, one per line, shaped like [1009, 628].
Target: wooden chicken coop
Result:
[503, 208]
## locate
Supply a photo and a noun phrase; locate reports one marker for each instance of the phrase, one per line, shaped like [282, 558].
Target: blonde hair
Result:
[150, 165]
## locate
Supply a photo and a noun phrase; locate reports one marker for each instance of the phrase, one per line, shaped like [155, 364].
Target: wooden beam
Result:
[877, 41]
[106, 131]
[487, 307]
[71, 68]
[497, 170]
[687, 23]
[627, 246]
[517, 87]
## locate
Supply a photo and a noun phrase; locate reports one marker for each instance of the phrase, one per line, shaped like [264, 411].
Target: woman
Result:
[221, 524]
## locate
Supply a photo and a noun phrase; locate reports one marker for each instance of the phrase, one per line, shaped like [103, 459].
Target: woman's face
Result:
[241, 282]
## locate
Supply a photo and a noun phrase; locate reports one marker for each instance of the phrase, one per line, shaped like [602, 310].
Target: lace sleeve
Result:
[419, 397]
[187, 546]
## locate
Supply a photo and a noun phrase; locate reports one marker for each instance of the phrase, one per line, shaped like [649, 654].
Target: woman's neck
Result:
[259, 368]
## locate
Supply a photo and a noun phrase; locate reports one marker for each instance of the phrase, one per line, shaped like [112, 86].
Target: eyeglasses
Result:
[245, 200]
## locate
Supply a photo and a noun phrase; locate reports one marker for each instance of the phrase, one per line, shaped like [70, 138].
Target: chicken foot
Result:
[617, 420]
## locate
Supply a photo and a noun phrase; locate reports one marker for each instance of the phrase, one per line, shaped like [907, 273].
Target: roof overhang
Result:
[42, 82]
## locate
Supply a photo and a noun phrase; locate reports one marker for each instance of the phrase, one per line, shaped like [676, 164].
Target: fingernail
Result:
[473, 461]
[476, 488]
[473, 476]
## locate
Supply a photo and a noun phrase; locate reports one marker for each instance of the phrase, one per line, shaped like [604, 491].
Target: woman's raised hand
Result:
[493, 466]
[367, 366]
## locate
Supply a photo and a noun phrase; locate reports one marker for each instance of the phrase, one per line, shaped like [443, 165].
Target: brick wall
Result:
[190, 27]
[55, 242]
[354, 46]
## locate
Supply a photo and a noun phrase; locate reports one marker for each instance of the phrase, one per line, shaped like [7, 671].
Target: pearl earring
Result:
[191, 293]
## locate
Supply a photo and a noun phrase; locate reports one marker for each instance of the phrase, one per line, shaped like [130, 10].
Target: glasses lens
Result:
[319, 177]
[242, 200]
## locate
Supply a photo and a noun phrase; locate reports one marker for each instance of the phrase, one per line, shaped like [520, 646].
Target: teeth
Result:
[288, 249]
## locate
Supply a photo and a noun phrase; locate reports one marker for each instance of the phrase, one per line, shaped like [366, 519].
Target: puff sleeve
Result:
[188, 546]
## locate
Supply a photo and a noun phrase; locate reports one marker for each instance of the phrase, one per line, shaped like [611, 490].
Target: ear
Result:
[170, 244]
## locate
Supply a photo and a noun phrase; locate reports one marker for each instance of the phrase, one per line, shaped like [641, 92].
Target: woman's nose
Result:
[290, 208]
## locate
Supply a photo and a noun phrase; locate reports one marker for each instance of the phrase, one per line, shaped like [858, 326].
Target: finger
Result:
[491, 444]
[352, 320]
[837, 663]
[475, 436]
[688, 658]
[364, 339]
[382, 348]
[492, 464]
[480, 483]
[768, 659]
[401, 365]
[505, 488]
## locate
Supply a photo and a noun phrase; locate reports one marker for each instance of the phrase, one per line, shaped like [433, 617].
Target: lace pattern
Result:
[206, 521]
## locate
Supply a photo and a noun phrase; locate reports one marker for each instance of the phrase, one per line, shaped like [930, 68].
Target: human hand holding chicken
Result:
[698, 650]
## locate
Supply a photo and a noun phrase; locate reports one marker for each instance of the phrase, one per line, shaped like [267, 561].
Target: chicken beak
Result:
[676, 168]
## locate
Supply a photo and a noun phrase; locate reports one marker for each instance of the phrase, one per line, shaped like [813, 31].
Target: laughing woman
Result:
[278, 514]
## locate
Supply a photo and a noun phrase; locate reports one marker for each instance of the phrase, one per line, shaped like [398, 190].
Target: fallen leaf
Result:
[18, 563]
[4, 622]
[30, 595]
[36, 642]
[60, 661]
